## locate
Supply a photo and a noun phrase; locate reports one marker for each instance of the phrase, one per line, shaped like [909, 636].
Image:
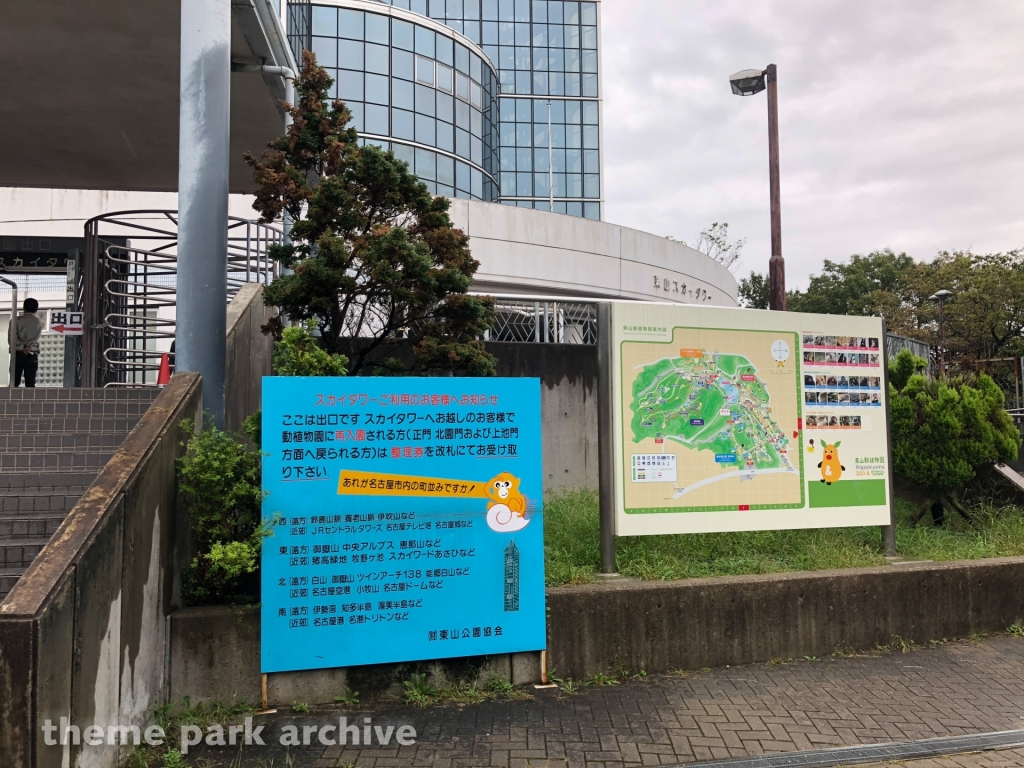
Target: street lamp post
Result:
[940, 297]
[747, 83]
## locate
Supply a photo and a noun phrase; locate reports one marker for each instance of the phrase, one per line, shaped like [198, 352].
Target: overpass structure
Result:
[150, 95]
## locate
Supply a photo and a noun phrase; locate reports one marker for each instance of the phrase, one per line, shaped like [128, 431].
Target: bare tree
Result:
[714, 241]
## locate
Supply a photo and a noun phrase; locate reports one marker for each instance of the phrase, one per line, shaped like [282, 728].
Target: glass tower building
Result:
[416, 87]
[495, 100]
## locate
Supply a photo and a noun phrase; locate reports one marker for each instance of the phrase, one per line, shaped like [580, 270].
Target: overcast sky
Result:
[901, 124]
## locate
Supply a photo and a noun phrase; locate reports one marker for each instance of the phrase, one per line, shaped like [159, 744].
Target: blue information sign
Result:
[408, 520]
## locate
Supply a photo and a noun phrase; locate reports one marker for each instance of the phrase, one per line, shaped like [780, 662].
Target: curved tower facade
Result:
[416, 87]
[495, 100]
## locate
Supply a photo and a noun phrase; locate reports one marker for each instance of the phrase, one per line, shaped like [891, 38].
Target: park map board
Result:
[735, 419]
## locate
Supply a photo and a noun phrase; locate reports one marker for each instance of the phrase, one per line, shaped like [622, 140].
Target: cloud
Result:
[901, 124]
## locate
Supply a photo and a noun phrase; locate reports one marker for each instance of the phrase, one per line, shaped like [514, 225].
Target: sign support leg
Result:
[605, 440]
[888, 531]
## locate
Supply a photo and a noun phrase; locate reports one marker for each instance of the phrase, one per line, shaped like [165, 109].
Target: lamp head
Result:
[940, 295]
[747, 82]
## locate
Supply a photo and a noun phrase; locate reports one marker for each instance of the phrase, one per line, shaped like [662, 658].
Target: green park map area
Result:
[724, 407]
[704, 403]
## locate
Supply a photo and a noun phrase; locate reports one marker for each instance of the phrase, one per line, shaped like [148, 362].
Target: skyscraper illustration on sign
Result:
[511, 577]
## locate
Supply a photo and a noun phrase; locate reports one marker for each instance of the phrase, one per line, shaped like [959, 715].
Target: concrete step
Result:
[110, 409]
[12, 529]
[63, 461]
[80, 394]
[53, 443]
[57, 403]
[13, 483]
[30, 425]
[33, 504]
[8, 578]
[61, 442]
[20, 551]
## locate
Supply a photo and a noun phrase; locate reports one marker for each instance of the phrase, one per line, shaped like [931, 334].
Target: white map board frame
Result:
[775, 420]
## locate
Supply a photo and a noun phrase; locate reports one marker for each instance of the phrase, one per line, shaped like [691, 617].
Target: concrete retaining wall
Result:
[83, 632]
[215, 656]
[568, 402]
[650, 626]
[249, 354]
[696, 623]
[568, 406]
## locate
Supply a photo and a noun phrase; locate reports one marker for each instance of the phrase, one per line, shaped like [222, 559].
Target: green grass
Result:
[573, 552]
[421, 691]
[172, 718]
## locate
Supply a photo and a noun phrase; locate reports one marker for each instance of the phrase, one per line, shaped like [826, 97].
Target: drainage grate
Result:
[874, 753]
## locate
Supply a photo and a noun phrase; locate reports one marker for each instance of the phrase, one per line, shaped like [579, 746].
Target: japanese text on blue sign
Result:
[407, 520]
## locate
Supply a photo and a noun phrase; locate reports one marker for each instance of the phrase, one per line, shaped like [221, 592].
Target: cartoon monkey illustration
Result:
[831, 469]
[504, 489]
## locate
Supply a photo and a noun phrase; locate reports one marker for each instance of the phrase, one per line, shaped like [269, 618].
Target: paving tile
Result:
[954, 689]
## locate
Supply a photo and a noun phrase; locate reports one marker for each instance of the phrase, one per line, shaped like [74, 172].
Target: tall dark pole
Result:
[776, 267]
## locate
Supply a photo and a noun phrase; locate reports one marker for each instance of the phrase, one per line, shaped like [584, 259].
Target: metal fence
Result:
[895, 344]
[543, 320]
[128, 290]
[554, 320]
[1007, 372]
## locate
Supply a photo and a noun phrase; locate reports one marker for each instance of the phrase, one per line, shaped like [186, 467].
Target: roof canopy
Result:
[90, 92]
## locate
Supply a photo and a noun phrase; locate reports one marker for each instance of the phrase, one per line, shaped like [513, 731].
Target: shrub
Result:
[219, 479]
[297, 353]
[945, 431]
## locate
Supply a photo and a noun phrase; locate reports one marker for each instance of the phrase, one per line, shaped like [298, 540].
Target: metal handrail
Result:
[128, 289]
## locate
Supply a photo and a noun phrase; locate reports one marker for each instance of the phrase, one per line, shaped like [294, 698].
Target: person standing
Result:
[25, 343]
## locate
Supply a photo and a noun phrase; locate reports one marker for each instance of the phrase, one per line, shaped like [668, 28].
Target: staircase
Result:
[53, 444]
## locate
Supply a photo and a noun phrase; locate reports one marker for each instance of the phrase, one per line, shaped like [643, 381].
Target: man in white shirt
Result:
[25, 343]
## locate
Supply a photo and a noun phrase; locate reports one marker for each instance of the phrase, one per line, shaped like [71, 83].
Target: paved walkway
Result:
[954, 689]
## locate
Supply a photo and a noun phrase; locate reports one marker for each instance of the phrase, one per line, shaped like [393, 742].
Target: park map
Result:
[727, 408]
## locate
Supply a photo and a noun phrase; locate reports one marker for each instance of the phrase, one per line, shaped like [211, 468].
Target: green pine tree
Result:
[945, 431]
[374, 256]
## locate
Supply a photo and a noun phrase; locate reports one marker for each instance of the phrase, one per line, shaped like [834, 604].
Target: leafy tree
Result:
[944, 432]
[985, 316]
[857, 287]
[755, 291]
[865, 285]
[374, 255]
